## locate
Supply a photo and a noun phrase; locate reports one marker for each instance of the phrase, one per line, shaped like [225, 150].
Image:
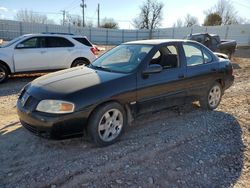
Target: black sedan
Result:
[130, 79]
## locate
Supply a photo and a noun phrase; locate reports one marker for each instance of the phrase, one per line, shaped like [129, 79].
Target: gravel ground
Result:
[181, 147]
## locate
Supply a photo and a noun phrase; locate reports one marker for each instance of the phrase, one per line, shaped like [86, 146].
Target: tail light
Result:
[94, 50]
[231, 71]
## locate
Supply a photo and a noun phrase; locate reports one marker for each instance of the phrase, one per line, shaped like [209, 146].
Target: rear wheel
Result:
[212, 98]
[3, 73]
[106, 124]
[79, 62]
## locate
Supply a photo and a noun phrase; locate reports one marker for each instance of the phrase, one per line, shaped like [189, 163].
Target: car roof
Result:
[158, 41]
[196, 34]
[54, 34]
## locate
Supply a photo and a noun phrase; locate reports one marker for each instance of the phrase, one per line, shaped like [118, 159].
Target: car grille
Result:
[21, 94]
[31, 103]
[27, 101]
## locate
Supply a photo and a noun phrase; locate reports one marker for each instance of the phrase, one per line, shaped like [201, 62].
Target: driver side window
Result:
[34, 42]
[167, 57]
[30, 43]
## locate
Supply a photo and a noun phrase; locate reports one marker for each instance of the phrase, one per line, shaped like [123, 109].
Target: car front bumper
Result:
[52, 125]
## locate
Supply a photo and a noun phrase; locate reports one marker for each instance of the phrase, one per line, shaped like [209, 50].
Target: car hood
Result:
[71, 80]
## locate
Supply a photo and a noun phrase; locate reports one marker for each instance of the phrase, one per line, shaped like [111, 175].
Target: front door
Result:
[31, 55]
[166, 88]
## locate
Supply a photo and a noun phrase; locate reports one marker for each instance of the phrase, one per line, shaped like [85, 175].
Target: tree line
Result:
[222, 13]
[150, 17]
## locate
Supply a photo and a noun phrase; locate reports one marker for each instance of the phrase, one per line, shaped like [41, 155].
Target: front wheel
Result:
[213, 97]
[3, 73]
[106, 124]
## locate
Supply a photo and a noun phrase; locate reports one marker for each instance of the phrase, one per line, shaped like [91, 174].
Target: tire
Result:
[107, 124]
[3, 73]
[79, 62]
[212, 98]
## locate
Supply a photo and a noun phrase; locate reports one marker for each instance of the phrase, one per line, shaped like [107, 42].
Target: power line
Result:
[241, 4]
[91, 17]
[45, 12]
[70, 5]
[73, 7]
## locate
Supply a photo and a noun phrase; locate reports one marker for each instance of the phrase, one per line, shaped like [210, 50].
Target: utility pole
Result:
[98, 15]
[83, 5]
[64, 14]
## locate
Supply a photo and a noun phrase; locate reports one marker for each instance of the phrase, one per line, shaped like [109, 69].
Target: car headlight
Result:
[55, 106]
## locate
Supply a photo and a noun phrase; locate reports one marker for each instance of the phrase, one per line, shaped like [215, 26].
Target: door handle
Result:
[213, 69]
[181, 76]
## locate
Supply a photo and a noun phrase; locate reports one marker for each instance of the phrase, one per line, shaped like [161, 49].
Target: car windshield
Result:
[124, 58]
[12, 42]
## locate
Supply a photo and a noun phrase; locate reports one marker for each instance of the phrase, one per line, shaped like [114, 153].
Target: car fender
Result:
[75, 54]
[86, 52]
[7, 60]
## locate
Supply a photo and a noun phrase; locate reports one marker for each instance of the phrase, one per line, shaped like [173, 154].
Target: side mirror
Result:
[199, 40]
[19, 46]
[152, 69]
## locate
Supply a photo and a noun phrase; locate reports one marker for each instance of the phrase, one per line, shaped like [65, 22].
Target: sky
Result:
[121, 11]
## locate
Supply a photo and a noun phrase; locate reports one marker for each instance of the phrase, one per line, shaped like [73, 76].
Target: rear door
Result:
[59, 52]
[166, 88]
[202, 69]
[30, 55]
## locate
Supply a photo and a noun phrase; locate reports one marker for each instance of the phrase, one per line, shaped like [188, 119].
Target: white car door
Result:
[31, 55]
[59, 52]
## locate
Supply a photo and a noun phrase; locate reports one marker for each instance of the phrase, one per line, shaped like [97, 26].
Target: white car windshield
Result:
[124, 58]
[12, 42]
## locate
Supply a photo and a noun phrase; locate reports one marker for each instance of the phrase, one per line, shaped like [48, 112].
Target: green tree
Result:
[109, 23]
[213, 19]
[227, 12]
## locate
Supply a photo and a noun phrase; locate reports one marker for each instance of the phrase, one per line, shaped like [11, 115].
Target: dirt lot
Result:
[181, 147]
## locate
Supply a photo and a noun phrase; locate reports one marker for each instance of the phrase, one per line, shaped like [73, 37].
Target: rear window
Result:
[83, 41]
[193, 54]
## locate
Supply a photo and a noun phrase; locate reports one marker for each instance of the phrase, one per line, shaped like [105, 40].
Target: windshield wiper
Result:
[101, 68]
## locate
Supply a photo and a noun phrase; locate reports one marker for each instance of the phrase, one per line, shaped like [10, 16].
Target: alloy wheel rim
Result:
[214, 96]
[110, 125]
